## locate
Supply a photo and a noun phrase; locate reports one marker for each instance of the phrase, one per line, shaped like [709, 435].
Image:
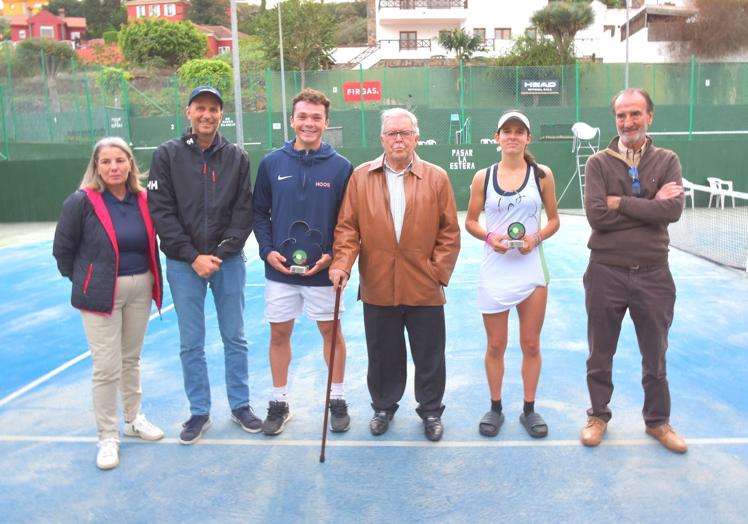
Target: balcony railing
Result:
[424, 4]
[408, 45]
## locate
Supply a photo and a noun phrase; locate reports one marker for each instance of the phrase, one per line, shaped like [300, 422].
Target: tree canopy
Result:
[174, 43]
[71, 7]
[103, 15]
[526, 50]
[58, 56]
[562, 21]
[461, 43]
[201, 71]
[209, 12]
[308, 34]
[717, 30]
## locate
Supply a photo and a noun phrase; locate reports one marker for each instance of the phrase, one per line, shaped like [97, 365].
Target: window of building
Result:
[75, 35]
[480, 32]
[46, 31]
[139, 11]
[154, 10]
[170, 10]
[611, 29]
[532, 33]
[22, 34]
[224, 49]
[408, 40]
[502, 33]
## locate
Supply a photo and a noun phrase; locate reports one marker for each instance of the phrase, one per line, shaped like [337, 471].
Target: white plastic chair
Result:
[717, 189]
[688, 191]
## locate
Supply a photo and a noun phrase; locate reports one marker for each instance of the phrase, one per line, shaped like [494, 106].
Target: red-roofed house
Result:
[219, 38]
[46, 25]
[172, 10]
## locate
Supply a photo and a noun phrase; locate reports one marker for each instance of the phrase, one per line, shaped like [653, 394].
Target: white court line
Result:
[579, 279]
[272, 442]
[41, 380]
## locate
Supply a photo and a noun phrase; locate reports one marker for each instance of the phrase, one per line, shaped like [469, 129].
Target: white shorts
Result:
[284, 302]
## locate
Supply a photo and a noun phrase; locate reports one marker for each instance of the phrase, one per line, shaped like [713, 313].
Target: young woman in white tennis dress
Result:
[512, 194]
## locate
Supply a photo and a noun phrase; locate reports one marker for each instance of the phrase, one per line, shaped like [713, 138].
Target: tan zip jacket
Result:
[414, 271]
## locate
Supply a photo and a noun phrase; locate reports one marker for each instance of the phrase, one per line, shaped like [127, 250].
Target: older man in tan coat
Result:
[399, 215]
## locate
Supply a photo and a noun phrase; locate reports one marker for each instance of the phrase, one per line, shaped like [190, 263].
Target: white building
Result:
[408, 30]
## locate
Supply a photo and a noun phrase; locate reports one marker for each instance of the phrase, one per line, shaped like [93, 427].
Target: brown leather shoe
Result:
[593, 432]
[668, 438]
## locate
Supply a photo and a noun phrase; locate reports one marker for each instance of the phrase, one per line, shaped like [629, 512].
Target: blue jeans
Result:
[188, 292]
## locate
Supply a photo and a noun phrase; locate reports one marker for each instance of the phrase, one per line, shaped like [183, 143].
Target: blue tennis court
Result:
[47, 432]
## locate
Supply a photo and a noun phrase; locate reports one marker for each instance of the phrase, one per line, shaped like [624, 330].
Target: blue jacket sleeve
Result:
[68, 234]
[263, 202]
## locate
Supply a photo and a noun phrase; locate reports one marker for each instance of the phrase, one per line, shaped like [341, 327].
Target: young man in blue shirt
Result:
[298, 192]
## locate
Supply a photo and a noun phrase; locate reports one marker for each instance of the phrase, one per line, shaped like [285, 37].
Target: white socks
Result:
[280, 394]
[336, 391]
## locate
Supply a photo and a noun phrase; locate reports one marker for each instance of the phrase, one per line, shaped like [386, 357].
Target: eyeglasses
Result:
[636, 187]
[395, 134]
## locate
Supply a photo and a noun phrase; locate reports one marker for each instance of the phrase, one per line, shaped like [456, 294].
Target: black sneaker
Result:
[194, 429]
[339, 419]
[247, 419]
[278, 416]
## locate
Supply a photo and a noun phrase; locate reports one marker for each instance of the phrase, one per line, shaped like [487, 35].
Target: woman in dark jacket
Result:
[105, 243]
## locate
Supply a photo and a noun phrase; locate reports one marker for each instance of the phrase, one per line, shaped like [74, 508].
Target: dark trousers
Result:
[648, 293]
[385, 342]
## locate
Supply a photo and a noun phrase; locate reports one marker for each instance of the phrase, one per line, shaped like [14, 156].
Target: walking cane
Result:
[329, 370]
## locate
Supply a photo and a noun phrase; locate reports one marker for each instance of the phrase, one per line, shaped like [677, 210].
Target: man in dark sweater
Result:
[633, 190]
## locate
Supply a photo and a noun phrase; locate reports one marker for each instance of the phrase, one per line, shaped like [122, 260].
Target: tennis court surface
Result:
[47, 433]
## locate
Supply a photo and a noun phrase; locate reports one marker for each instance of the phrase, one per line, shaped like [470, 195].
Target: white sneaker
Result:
[140, 427]
[108, 455]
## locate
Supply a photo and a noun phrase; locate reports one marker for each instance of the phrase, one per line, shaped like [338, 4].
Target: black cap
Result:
[200, 90]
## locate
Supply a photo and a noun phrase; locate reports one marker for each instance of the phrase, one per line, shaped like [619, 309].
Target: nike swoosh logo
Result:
[284, 177]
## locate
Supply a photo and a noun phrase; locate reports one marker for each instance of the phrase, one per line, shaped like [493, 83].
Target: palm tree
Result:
[562, 21]
[461, 43]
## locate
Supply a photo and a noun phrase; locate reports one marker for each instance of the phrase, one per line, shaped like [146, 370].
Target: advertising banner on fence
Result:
[548, 86]
[372, 91]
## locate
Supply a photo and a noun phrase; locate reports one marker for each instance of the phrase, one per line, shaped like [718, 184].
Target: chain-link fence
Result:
[73, 105]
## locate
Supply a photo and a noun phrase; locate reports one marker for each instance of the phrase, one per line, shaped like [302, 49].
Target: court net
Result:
[714, 225]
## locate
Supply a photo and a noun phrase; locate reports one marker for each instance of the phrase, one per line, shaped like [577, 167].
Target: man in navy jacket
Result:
[200, 198]
[298, 192]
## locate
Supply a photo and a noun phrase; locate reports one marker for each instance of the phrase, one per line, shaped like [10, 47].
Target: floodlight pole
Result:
[238, 114]
[283, 74]
[628, 36]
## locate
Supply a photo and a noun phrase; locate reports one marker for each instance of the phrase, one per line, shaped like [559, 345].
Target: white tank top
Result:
[508, 279]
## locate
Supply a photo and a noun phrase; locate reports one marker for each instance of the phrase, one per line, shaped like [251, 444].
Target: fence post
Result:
[11, 91]
[361, 98]
[462, 93]
[126, 108]
[563, 85]
[89, 113]
[576, 88]
[516, 86]
[178, 122]
[46, 93]
[691, 101]
[6, 152]
[269, 106]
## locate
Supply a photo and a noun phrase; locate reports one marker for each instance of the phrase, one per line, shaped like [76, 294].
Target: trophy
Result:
[302, 248]
[515, 232]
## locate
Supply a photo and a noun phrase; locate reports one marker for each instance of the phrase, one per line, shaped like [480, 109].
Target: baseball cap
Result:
[201, 90]
[513, 115]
